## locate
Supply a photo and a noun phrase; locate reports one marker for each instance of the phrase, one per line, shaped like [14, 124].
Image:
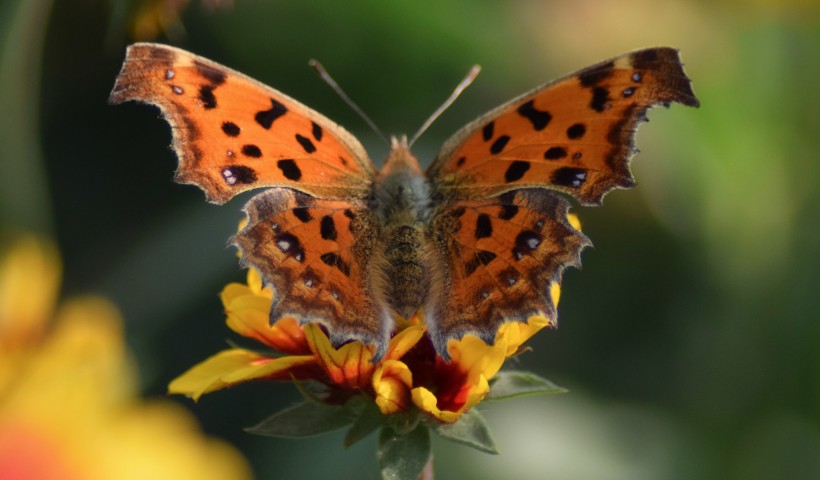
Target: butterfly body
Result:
[476, 240]
[402, 201]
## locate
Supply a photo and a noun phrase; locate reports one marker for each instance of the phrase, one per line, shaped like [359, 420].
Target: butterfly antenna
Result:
[444, 106]
[350, 103]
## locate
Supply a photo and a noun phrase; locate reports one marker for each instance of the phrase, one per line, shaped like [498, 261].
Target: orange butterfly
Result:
[475, 241]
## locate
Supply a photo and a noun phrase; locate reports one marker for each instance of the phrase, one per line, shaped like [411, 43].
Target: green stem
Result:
[427, 473]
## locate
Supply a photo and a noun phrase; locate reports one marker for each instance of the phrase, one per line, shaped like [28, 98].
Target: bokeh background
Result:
[690, 339]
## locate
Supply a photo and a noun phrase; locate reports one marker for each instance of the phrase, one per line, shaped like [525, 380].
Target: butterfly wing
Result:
[502, 229]
[232, 133]
[309, 235]
[316, 254]
[504, 255]
[574, 135]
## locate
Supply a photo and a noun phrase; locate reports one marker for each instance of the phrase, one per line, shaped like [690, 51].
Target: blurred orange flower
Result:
[68, 404]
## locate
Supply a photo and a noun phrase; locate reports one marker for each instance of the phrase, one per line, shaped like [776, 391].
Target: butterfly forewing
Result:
[502, 255]
[232, 133]
[574, 135]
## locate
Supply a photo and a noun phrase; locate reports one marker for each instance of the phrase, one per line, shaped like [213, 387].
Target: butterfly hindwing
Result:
[502, 256]
[232, 133]
[316, 255]
[574, 135]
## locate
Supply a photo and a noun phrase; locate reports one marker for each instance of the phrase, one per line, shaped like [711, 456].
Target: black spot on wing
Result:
[516, 170]
[231, 129]
[212, 75]
[508, 208]
[499, 144]
[303, 214]
[328, 228]
[483, 226]
[555, 153]
[306, 144]
[289, 169]
[526, 242]
[487, 131]
[265, 118]
[289, 244]
[576, 131]
[596, 75]
[207, 97]
[481, 257]
[508, 212]
[238, 174]
[251, 151]
[600, 97]
[569, 177]
[539, 118]
[316, 130]
[333, 260]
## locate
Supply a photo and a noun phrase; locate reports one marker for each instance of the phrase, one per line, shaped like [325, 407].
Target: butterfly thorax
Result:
[401, 201]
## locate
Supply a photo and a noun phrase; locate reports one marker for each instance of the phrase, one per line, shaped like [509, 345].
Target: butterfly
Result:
[476, 240]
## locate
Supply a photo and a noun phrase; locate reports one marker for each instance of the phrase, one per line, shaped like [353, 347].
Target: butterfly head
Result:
[400, 159]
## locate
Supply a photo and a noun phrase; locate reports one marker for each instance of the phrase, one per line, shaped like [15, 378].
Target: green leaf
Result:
[370, 418]
[515, 384]
[403, 457]
[303, 420]
[471, 430]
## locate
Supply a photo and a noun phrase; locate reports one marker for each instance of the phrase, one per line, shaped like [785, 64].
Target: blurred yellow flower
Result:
[68, 404]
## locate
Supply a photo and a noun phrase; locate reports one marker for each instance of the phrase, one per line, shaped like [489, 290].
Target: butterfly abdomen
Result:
[406, 268]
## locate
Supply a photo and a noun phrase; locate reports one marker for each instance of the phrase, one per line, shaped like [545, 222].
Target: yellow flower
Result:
[409, 373]
[68, 404]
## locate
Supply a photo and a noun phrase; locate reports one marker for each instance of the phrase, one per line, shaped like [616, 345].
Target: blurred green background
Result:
[690, 339]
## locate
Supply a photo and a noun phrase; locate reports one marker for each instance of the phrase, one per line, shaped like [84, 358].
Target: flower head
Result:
[410, 374]
[68, 405]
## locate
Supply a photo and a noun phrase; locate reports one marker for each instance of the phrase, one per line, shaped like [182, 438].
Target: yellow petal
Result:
[514, 334]
[555, 292]
[232, 291]
[574, 221]
[391, 382]
[29, 281]
[427, 402]
[404, 341]
[230, 367]
[474, 356]
[160, 440]
[347, 366]
[255, 283]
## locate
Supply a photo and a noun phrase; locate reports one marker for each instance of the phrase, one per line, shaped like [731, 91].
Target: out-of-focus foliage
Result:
[691, 339]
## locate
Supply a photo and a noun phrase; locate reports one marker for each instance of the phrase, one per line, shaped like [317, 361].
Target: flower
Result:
[410, 375]
[68, 404]
[153, 18]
